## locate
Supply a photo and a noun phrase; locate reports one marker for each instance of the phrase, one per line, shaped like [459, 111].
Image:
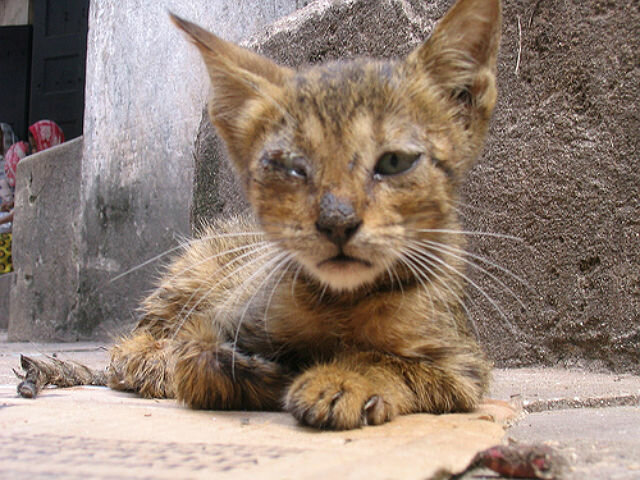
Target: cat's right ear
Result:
[238, 76]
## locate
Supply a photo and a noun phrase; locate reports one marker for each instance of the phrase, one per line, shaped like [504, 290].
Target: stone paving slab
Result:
[92, 432]
[600, 443]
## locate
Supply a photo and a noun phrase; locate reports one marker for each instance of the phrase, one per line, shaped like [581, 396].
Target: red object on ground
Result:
[522, 461]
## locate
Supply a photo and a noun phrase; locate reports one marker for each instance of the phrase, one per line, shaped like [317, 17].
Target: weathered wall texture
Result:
[144, 95]
[560, 171]
[44, 248]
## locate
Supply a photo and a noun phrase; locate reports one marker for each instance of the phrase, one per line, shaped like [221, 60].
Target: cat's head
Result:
[347, 164]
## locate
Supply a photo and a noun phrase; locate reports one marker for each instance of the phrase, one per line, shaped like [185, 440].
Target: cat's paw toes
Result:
[325, 398]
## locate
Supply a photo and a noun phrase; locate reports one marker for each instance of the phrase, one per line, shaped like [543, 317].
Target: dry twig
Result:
[38, 374]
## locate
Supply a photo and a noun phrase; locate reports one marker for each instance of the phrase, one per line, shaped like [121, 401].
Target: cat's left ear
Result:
[461, 56]
[238, 77]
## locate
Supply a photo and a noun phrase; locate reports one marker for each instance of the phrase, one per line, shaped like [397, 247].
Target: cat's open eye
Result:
[394, 163]
[293, 165]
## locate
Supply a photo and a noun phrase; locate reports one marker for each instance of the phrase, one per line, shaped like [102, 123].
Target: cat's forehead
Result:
[343, 86]
[343, 103]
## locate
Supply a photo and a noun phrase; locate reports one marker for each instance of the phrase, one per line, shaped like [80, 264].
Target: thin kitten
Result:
[341, 301]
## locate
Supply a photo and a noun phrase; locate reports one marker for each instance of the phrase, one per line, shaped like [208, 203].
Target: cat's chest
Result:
[381, 322]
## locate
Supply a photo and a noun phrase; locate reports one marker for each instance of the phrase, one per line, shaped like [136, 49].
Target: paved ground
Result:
[92, 432]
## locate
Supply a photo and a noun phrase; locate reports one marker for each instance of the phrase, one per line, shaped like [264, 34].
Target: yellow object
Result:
[5, 253]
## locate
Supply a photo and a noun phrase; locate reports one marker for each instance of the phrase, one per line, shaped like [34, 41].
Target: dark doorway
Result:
[58, 63]
[15, 63]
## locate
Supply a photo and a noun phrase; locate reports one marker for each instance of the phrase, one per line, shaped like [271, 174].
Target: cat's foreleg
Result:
[370, 388]
[143, 364]
[211, 373]
[198, 367]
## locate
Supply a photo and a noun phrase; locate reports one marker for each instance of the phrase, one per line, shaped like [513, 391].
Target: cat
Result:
[340, 297]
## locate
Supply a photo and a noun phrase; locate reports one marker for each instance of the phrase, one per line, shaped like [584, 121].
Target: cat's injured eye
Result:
[394, 163]
[293, 165]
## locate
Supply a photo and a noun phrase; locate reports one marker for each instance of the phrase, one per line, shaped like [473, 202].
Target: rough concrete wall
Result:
[216, 191]
[144, 94]
[45, 257]
[560, 170]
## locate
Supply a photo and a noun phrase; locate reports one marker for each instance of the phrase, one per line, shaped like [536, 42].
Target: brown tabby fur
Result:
[339, 317]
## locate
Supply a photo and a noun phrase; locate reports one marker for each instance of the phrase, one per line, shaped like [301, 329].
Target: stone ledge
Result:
[44, 244]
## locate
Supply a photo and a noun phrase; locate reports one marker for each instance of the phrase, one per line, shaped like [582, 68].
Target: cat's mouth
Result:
[343, 260]
[344, 272]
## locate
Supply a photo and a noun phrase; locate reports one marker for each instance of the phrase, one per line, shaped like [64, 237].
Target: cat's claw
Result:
[336, 400]
[374, 411]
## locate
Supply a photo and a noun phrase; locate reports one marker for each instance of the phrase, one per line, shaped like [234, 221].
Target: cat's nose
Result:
[337, 219]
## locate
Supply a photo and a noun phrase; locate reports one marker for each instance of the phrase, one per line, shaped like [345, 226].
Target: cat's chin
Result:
[342, 272]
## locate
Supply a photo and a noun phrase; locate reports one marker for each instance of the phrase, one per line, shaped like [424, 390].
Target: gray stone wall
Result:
[44, 246]
[561, 172]
[144, 94]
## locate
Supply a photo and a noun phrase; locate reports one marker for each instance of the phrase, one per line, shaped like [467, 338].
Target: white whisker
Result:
[293, 282]
[389, 266]
[429, 256]
[285, 269]
[421, 263]
[256, 248]
[434, 246]
[467, 232]
[461, 301]
[470, 207]
[182, 245]
[418, 275]
[482, 259]
[324, 290]
[277, 262]
[213, 287]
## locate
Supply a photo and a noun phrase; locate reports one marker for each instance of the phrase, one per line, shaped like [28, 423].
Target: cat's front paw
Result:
[328, 397]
